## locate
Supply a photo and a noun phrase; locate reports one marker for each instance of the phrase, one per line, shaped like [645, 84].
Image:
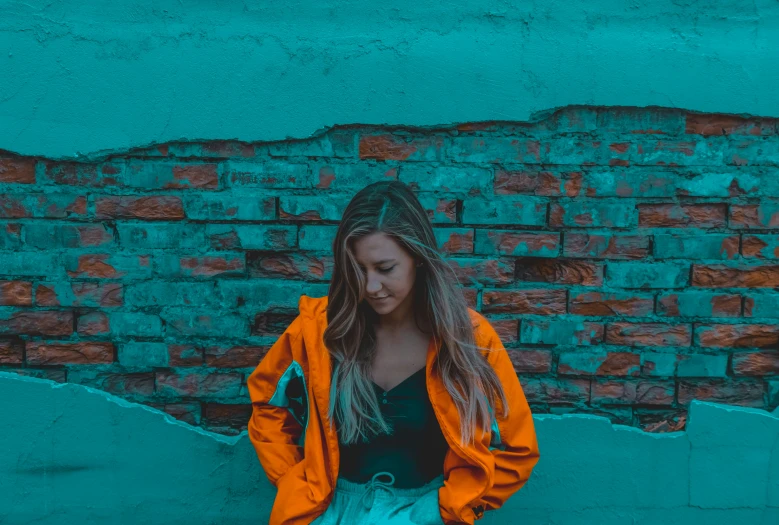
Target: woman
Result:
[389, 400]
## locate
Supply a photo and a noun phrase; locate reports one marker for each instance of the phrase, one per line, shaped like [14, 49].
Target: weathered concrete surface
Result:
[81, 77]
[72, 454]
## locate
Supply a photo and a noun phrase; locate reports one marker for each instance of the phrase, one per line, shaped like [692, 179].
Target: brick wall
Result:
[629, 258]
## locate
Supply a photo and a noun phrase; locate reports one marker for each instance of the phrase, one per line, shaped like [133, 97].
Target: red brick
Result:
[551, 390]
[203, 176]
[289, 265]
[756, 363]
[198, 384]
[507, 329]
[638, 392]
[559, 271]
[93, 323]
[648, 334]
[682, 215]
[15, 293]
[711, 124]
[132, 386]
[14, 207]
[489, 272]
[392, 147]
[185, 355]
[42, 353]
[721, 276]
[234, 356]
[601, 364]
[739, 336]
[81, 294]
[17, 170]
[155, 208]
[531, 361]
[743, 393]
[11, 352]
[608, 304]
[221, 416]
[228, 148]
[543, 183]
[606, 246]
[541, 301]
[654, 420]
[754, 216]
[186, 412]
[52, 374]
[38, 323]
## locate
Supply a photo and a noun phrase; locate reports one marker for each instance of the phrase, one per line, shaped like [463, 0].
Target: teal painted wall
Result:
[79, 455]
[83, 77]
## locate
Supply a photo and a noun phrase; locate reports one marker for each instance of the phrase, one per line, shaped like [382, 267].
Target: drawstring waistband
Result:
[373, 485]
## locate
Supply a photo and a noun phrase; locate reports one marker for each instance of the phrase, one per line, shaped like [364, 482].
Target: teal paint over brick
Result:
[441, 210]
[594, 213]
[466, 181]
[135, 324]
[266, 294]
[10, 236]
[520, 211]
[140, 354]
[182, 322]
[243, 205]
[658, 365]
[316, 237]
[51, 236]
[647, 275]
[251, 236]
[312, 207]
[24, 264]
[126, 455]
[517, 243]
[762, 305]
[761, 246]
[142, 236]
[348, 177]
[702, 365]
[691, 245]
[163, 293]
[693, 304]
[560, 331]
[274, 174]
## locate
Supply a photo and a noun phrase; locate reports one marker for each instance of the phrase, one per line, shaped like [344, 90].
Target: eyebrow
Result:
[383, 261]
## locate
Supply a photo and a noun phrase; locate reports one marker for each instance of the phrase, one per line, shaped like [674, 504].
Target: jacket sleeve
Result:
[273, 429]
[516, 448]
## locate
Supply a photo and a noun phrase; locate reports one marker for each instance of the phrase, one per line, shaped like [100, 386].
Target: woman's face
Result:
[390, 272]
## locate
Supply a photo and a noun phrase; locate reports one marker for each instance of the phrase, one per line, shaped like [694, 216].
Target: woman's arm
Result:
[517, 454]
[273, 430]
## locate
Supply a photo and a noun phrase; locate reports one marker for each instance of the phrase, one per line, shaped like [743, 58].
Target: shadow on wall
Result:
[73, 454]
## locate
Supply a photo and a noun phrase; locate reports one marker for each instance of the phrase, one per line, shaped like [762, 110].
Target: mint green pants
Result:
[379, 503]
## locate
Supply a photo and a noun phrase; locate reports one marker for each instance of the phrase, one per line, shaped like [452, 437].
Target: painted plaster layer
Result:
[78, 77]
[73, 454]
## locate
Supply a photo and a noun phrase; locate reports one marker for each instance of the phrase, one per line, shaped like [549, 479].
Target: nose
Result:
[372, 286]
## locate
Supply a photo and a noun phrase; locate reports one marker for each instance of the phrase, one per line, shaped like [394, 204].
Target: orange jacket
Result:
[290, 430]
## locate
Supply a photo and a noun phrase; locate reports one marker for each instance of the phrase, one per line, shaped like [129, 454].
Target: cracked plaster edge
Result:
[535, 118]
[233, 440]
[229, 440]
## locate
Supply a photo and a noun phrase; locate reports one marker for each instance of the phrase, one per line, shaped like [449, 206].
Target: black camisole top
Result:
[415, 450]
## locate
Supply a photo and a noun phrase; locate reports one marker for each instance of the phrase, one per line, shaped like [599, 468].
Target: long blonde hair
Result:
[390, 207]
